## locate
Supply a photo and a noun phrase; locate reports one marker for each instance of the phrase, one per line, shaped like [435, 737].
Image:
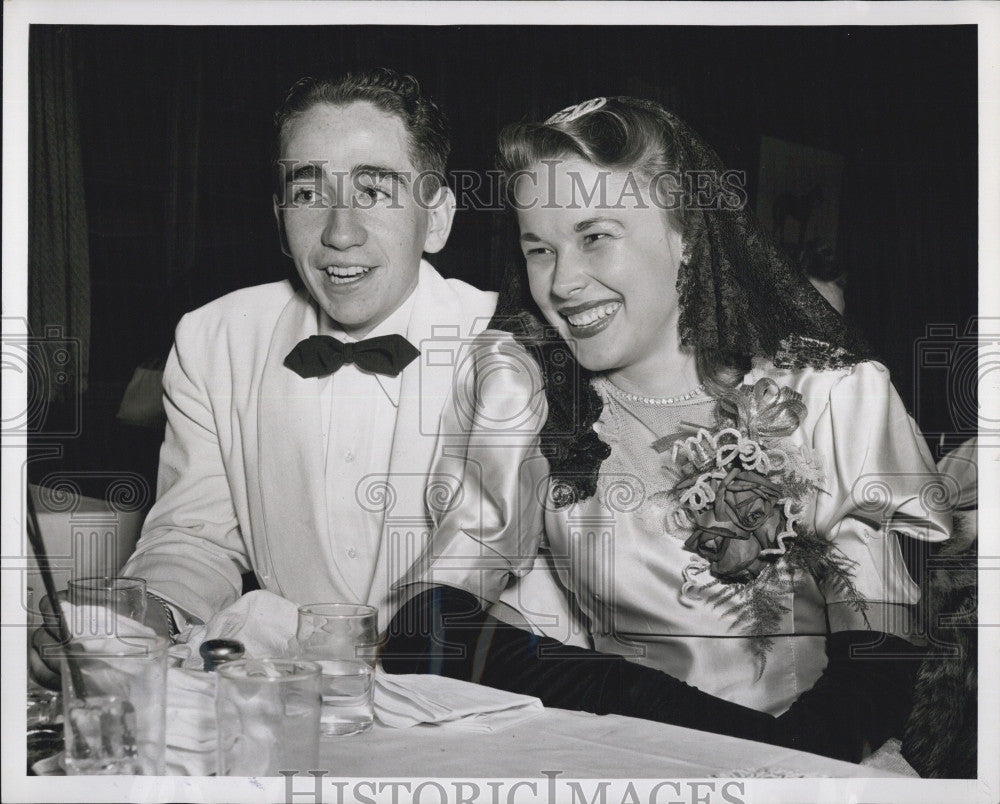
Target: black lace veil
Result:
[739, 297]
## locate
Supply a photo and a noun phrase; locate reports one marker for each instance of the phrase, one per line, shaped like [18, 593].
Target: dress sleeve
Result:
[488, 525]
[857, 702]
[879, 480]
[192, 551]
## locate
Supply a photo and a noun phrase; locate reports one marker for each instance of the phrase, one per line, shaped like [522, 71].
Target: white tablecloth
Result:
[577, 744]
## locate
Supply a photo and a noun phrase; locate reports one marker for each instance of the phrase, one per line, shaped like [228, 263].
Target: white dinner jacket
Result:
[241, 473]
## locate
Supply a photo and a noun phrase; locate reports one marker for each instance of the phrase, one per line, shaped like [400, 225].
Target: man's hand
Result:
[43, 660]
[44, 665]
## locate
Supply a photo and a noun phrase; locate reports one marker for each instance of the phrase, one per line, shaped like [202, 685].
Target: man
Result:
[277, 459]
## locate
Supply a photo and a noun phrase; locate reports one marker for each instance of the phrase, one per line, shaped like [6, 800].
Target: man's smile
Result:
[347, 274]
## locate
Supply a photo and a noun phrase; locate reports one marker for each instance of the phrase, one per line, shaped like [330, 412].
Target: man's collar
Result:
[397, 323]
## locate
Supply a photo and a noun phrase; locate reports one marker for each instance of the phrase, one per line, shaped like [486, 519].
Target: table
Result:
[556, 757]
[577, 744]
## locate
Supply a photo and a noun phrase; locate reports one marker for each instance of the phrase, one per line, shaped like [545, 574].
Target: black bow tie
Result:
[320, 355]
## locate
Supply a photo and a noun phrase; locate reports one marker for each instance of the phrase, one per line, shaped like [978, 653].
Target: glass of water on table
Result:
[106, 605]
[114, 695]
[342, 638]
[267, 712]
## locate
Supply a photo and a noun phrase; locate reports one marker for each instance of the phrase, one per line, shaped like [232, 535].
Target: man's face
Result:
[351, 217]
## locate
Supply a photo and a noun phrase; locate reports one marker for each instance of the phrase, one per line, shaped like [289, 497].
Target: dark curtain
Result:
[58, 254]
[177, 138]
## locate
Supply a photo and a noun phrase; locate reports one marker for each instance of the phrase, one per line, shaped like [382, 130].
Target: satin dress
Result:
[632, 587]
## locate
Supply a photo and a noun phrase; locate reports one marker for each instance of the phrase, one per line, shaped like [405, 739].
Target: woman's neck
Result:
[664, 377]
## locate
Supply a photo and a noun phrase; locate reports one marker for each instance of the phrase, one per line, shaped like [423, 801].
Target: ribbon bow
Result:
[321, 355]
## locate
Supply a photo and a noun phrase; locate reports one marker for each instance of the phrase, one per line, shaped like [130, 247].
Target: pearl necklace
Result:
[652, 400]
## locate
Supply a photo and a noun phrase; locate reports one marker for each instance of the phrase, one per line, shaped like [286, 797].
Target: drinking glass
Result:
[114, 694]
[343, 639]
[101, 602]
[45, 731]
[268, 716]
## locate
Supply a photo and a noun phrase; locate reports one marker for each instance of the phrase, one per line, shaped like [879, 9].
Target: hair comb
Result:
[573, 112]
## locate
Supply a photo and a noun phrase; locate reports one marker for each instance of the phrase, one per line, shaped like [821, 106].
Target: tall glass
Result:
[114, 694]
[343, 639]
[102, 604]
[268, 716]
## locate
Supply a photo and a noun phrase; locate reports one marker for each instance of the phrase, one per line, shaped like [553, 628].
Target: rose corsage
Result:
[742, 501]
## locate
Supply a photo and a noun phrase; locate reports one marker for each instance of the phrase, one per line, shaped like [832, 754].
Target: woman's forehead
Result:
[574, 185]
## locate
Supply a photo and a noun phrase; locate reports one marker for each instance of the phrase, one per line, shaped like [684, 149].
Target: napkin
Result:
[402, 701]
[98, 621]
[890, 757]
[98, 627]
[264, 622]
[191, 731]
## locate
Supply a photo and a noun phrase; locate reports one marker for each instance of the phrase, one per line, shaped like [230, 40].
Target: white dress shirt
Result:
[359, 415]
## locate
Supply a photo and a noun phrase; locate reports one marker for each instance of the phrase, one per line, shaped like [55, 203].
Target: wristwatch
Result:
[172, 629]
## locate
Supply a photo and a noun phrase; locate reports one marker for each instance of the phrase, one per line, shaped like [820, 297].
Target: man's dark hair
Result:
[392, 92]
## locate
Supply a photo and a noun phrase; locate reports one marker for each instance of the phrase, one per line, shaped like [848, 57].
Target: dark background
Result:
[176, 131]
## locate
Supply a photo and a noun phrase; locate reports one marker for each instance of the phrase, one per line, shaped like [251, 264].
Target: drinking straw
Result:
[65, 636]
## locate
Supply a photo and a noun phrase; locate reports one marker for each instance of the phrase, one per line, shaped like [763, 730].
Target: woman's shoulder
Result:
[494, 349]
[821, 381]
[499, 384]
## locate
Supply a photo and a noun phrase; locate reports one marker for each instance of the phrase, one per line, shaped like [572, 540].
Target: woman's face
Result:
[602, 262]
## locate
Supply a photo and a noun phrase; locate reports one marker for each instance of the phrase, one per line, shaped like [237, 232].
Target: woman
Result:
[723, 472]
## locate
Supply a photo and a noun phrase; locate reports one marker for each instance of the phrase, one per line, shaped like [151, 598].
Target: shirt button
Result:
[349, 456]
[352, 553]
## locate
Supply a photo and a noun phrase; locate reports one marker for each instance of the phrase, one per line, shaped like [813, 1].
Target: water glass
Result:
[45, 733]
[267, 712]
[343, 639]
[100, 602]
[114, 694]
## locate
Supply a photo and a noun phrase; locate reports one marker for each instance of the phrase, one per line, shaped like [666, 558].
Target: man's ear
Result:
[440, 214]
[279, 217]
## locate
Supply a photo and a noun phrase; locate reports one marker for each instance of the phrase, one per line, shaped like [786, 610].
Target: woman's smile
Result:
[586, 320]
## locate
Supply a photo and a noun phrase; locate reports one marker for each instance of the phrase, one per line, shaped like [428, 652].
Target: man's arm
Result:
[192, 552]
